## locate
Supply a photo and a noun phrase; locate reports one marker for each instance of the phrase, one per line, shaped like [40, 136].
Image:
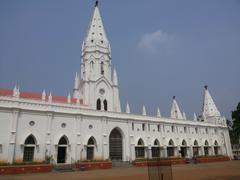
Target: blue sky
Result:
[159, 48]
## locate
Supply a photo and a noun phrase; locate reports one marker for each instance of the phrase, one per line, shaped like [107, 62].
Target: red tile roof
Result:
[38, 96]
[6, 92]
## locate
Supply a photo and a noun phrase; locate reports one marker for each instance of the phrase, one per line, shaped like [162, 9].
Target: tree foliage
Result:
[235, 132]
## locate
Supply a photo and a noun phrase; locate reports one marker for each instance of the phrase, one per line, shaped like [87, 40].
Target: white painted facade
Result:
[77, 119]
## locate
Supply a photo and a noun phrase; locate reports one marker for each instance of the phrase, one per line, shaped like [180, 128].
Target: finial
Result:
[128, 108]
[96, 3]
[206, 87]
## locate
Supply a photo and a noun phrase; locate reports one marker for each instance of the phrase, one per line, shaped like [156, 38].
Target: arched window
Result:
[30, 140]
[195, 143]
[90, 148]
[102, 68]
[156, 149]
[29, 147]
[105, 105]
[171, 143]
[92, 65]
[98, 104]
[63, 141]
[170, 148]
[139, 149]
[156, 143]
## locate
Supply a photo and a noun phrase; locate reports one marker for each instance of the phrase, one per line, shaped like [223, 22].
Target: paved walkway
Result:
[210, 171]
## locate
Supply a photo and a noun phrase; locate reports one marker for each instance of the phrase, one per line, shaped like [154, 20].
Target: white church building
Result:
[90, 125]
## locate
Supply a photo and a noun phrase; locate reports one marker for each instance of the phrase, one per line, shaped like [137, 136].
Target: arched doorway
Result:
[139, 149]
[62, 150]
[170, 148]
[29, 148]
[115, 145]
[184, 149]
[90, 148]
[195, 148]
[216, 148]
[206, 148]
[156, 149]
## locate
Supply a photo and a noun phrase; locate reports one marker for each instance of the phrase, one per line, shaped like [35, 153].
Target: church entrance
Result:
[62, 150]
[61, 158]
[183, 152]
[115, 145]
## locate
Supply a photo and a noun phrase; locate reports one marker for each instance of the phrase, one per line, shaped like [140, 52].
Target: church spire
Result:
[175, 111]
[209, 107]
[96, 36]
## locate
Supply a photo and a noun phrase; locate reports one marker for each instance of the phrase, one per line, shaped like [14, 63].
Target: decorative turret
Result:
[50, 97]
[69, 98]
[175, 110]
[115, 78]
[158, 112]
[76, 82]
[43, 95]
[184, 115]
[209, 107]
[144, 113]
[128, 108]
[16, 91]
[194, 117]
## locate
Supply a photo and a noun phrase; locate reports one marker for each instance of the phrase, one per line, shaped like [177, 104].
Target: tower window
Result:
[102, 69]
[98, 104]
[105, 104]
[143, 127]
[102, 41]
[92, 41]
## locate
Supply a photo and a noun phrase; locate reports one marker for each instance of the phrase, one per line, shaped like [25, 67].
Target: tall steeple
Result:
[96, 35]
[175, 111]
[209, 107]
[96, 85]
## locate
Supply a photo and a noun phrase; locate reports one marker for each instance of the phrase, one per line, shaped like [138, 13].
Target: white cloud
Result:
[151, 42]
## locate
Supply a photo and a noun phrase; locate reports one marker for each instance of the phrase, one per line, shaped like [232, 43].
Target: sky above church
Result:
[159, 48]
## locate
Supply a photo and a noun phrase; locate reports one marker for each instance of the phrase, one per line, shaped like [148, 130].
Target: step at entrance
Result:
[64, 167]
[121, 164]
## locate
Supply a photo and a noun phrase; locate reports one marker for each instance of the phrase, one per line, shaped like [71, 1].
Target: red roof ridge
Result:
[38, 96]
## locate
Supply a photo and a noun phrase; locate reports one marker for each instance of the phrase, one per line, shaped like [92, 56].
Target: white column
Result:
[212, 149]
[149, 152]
[48, 134]
[165, 155]
[178, 149]
[190, 151]
[13, 132]
[78, 140]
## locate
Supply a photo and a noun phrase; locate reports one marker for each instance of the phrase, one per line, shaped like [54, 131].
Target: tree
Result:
[235, 132]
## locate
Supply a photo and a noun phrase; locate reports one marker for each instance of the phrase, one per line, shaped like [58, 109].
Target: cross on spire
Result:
[96, 3]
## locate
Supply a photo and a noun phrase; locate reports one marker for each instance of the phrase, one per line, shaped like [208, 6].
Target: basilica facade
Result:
[90, 125]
